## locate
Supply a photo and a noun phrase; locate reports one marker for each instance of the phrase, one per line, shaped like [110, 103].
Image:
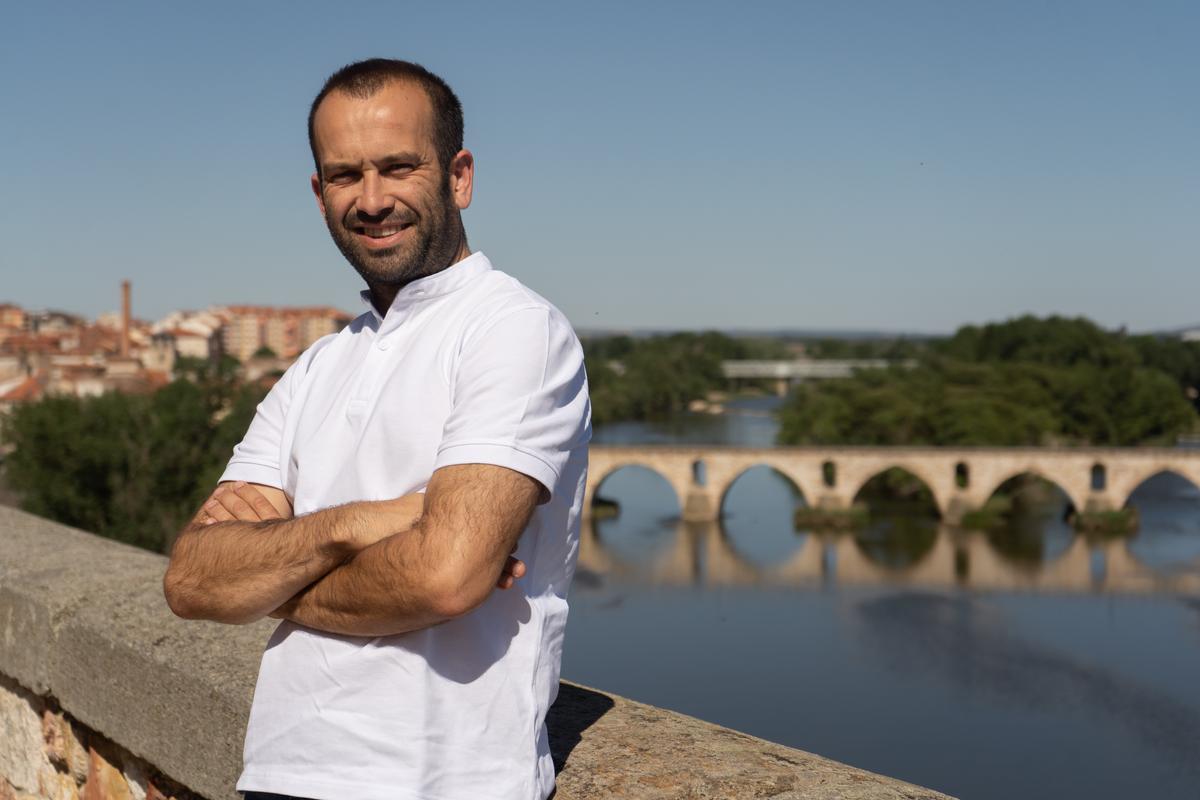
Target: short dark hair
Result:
[363, 79]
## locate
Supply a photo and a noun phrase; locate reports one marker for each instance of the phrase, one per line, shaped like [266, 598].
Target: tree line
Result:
[1028, 381]
[654, 377]
[131, 467]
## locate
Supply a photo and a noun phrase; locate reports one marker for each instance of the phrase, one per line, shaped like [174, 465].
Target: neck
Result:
[384, 294]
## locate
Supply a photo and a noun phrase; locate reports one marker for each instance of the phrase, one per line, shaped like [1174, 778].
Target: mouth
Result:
[378, 236]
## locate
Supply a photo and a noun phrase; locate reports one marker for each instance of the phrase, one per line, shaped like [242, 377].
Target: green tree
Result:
[129, 467]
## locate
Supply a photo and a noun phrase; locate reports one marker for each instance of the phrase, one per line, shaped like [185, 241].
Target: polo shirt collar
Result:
[439, 284]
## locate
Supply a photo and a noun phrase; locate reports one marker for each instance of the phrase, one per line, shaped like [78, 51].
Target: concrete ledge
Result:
[84, 623]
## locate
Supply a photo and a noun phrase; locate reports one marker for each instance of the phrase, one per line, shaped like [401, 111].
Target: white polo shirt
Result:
[468, 366]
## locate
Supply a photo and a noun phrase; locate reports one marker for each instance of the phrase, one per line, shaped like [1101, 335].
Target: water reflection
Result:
[1169, 525]
[1031, 528]
[1031, 548]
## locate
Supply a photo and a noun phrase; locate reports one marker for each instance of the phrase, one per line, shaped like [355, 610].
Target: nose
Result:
[373, 201]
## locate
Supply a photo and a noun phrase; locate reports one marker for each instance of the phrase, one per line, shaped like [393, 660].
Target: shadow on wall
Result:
[575, 710]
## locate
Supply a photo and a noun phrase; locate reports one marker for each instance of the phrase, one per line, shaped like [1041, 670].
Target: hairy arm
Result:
[443, 568]
[244, 554]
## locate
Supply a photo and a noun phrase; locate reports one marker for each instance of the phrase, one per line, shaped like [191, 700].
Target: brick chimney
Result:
[126, 313]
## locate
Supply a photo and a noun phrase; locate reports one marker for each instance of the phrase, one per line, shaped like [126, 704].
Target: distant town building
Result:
[284, 331]
[54, 352]
[12, 316]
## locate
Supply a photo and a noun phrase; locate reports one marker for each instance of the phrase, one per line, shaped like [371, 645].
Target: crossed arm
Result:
[366, 569]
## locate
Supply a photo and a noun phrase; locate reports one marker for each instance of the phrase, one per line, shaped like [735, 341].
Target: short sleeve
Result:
[519, 397]
[258, 457]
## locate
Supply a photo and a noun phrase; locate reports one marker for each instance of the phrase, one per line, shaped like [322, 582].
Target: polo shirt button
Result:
[383, 345]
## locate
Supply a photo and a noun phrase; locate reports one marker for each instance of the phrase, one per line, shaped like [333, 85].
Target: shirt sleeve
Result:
[519, 397]
[258, 457]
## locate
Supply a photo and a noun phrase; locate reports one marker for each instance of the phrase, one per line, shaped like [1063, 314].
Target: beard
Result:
[434, 243]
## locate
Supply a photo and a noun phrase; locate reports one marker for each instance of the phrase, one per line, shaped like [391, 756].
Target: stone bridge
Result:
[960, 479]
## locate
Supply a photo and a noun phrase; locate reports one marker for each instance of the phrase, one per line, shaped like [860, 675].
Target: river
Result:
[1041, 691]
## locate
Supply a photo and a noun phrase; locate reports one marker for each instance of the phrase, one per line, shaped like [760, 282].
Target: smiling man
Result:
[407, 498]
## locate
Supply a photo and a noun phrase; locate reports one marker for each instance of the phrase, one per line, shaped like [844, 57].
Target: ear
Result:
[462, 178]
[316, 190]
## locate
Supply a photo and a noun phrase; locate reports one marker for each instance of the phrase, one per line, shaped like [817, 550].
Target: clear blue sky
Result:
[883, 165]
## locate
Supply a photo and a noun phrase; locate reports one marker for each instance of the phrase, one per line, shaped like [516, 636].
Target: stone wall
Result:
[105, 695]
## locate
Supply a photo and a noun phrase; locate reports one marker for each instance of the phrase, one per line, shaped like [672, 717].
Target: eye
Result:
[342, 177]
[399, 168]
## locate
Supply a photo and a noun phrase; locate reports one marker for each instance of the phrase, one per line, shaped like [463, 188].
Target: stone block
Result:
[63, 745]
[135, 778]
[55, 785]
[104, 781]
[21, 757]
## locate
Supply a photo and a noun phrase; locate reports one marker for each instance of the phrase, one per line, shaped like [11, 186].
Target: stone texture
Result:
[606, 746]
[21, 757]
[135, 778]
[55, 785]
[104, 781]
[63, 746]
[153, 792]
[83, 620]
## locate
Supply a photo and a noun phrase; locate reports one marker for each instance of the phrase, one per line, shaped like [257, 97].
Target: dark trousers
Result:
[269, 796]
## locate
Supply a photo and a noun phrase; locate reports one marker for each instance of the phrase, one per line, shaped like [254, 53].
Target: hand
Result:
[243, 502]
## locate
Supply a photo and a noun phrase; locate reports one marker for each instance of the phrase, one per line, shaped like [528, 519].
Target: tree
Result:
[129, 467]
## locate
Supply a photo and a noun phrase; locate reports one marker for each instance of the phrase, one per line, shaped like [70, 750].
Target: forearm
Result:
[448, 564]
[238, 572]
[385, 589]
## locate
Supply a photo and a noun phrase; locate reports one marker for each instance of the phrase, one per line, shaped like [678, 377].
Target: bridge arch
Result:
[765, 464]
[1077, 503]
[610, 469]
[918, 472]
[1134, 482]
[1027, 540]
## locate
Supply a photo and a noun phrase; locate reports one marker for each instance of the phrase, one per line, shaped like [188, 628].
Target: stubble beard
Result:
[435, 245]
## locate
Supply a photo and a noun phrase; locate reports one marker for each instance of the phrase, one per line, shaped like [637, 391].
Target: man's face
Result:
[392, 210]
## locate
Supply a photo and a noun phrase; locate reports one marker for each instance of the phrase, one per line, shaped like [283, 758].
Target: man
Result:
[411, 662]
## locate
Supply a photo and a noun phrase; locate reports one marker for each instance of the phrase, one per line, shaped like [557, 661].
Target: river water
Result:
[1026, 679]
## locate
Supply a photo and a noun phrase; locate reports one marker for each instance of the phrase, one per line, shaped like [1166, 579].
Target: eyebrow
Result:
[390, 158]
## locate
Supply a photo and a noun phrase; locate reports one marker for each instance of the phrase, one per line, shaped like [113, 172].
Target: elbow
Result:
[178, 598]
[188, 601]
[452, 595]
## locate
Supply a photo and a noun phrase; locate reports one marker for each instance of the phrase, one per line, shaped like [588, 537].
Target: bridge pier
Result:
[956, 508]
[700, 506]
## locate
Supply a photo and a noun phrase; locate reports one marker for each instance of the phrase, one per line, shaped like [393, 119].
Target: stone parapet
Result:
[105, 694]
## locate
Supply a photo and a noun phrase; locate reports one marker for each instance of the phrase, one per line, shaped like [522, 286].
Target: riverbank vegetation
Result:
[654, 377]
[1028, 381]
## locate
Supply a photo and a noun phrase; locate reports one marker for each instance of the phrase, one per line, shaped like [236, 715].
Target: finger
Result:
[513, 567]
[217, 512]
[505, 582]
[257, 501]
[229, 499]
